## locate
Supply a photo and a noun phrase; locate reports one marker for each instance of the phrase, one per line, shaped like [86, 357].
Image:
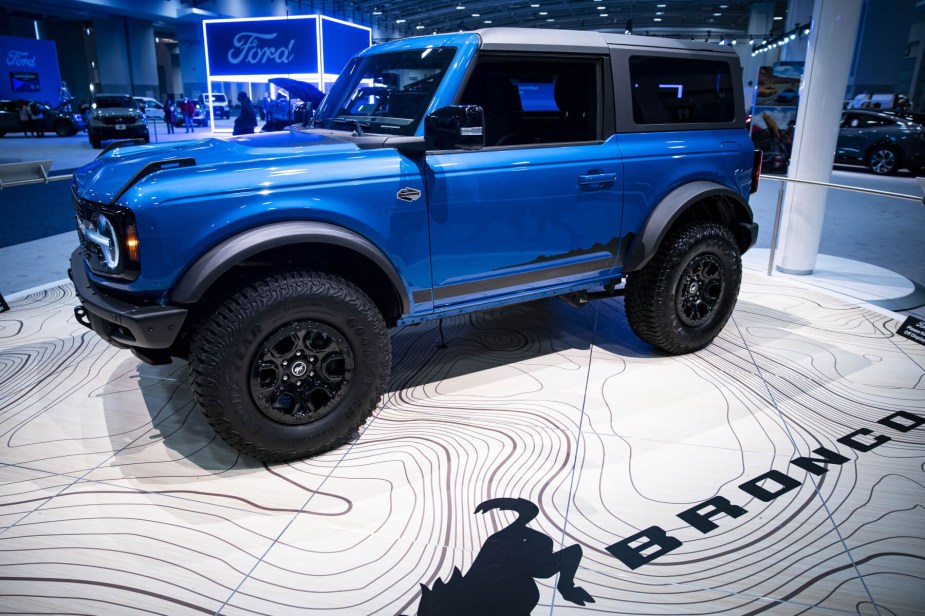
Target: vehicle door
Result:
[858, 132]
[9, 117]
[541, 204]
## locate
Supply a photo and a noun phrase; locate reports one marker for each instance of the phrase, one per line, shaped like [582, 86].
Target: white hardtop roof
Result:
[587, 41]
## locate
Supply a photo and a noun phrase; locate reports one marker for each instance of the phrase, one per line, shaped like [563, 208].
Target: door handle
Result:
[597, 180]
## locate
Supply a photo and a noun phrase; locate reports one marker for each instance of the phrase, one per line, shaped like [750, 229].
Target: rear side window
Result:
[681, 91]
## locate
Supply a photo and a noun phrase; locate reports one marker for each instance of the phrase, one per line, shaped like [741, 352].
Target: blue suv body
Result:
[440, 175]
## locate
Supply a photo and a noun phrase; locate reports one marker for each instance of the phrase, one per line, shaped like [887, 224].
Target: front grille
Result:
[121, 218]
[113, 120]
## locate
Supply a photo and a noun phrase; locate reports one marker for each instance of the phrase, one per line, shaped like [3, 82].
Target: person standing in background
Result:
[265, 106]
[38, 120]
[170, 110]
[245, 123]
[64, 97]
[187, 108]
[25, 118]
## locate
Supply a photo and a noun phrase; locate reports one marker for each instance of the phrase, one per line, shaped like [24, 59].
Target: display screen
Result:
[24, 82]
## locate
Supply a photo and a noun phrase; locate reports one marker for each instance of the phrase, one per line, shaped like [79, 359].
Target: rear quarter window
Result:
[671, 90]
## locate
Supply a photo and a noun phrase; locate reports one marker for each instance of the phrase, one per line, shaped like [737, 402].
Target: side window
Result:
[537, 100]
[671, 90]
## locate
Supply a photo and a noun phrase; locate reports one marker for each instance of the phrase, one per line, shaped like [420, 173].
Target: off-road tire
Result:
[230, 341]
[883, 160]
[653, 293]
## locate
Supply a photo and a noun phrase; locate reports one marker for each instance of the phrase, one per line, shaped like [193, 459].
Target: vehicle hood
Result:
[104, 178]
[110, 112]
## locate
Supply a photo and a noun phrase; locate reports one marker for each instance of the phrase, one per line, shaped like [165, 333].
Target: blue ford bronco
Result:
[440, 175]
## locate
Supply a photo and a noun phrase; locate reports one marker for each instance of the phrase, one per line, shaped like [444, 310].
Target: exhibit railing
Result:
[783, 181]
[34, 172]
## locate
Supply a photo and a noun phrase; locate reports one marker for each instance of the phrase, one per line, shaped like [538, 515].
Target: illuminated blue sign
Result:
[262, 46]
[306, 46]
[29, 69]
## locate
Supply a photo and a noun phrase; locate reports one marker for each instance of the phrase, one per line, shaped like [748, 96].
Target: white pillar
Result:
[822, 92]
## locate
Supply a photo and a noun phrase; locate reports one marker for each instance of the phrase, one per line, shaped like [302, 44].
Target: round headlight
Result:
[109, 248]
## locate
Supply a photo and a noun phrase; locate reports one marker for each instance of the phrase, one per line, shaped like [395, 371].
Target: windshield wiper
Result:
[355, 124]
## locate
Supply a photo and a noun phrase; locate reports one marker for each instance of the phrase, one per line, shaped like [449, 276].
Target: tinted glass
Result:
[536, 100]
[105, 102]
[668, 90]
[385, 93]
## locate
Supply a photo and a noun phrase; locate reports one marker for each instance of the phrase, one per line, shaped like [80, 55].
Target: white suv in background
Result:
[219, 104]
[151, 107]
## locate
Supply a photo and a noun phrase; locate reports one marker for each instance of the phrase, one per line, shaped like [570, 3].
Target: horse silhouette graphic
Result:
[501, 580]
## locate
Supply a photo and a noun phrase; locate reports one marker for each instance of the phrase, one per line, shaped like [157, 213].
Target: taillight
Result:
[756, 170]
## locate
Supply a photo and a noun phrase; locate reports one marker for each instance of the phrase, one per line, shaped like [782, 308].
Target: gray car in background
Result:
[884, 142]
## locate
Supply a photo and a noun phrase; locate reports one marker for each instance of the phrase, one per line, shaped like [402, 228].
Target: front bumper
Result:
[148, 330]
[111, 132]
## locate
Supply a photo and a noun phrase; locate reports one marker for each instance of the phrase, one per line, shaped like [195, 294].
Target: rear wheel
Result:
[681, 299]
[95, 142]
[63, 129]
[291, 366]
[883, 160]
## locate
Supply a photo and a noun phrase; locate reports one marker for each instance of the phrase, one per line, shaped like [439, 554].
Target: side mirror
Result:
[455, 127]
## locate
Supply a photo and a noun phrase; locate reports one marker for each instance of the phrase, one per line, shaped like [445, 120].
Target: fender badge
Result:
[409, 194]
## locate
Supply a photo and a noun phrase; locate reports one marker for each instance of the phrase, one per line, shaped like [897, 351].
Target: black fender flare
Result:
[221, 258]
[673, 205]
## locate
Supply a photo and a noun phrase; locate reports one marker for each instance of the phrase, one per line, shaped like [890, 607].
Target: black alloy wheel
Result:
[302, 372]
[699, 290]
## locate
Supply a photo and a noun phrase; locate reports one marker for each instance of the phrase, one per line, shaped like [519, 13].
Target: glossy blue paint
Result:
[493, 227]
[499, 213]
[654, 164]
[182, 213]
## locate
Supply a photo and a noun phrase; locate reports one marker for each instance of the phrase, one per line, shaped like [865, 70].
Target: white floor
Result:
[117, 498]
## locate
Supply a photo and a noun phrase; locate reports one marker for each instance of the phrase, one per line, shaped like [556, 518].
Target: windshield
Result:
[106, 102]
[385, 93]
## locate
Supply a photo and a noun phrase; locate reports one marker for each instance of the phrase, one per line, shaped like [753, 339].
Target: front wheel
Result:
[291, 366]
[883, 160]
[681, 299]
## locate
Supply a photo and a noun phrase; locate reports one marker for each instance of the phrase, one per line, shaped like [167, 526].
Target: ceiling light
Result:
[660, 6]
[376, 11]
[488, 21]
[400, 21]
[778, 18]
[604, 15]
[419, 27]
[602, 8]
[657, 19]
[751, 41]
[806, 31]
[543, 13]
[659, 12]
[550, 20]
[717, 14]
[460, 7]
[724, 6]
[476, 14]
[734, 41]
[534, 6]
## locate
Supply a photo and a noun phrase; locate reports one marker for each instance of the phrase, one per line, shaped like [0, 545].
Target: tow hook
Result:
[80, 313]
